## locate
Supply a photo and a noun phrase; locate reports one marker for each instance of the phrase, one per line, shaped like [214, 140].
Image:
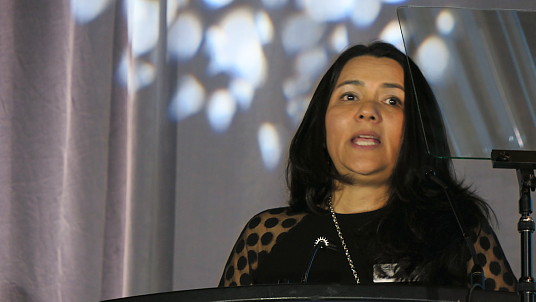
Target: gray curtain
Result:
[86, 176]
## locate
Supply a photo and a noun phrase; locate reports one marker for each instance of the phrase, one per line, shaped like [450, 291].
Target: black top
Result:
[277, 245]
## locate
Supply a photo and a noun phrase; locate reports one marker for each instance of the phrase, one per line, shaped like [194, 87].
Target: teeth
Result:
[367, 143]
[366, 140]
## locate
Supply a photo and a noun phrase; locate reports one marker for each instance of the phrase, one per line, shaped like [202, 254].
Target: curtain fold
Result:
[84, 214]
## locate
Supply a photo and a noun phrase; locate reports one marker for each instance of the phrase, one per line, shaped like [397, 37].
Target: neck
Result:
[348, 199]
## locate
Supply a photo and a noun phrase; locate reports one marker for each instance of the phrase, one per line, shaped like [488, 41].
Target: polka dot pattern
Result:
[257, 239]
[252, 239]
[265, 229]
[242, 262]
[240, 246]
[252, 257]
[484, 243]
[266, 238]
[498, 253]
[289, 223]
[509, 279]
[229, 272]
[254, 222]
[497, 271]
[271, 222]
[495, 268]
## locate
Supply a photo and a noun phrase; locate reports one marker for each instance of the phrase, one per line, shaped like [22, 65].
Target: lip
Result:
[366, 140]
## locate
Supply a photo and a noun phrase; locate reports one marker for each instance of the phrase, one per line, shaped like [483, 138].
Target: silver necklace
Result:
[346, 251]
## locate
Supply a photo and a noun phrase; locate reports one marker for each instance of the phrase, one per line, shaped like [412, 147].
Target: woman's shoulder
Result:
[276, 218]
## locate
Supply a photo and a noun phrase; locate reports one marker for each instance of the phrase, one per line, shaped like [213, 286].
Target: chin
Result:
[377, 176]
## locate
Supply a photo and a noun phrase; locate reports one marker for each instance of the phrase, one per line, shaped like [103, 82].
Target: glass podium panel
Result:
[481, 67]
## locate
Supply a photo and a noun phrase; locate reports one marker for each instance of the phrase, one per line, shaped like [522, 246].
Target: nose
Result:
[368, 111]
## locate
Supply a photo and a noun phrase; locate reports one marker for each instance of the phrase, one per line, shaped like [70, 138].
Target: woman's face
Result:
[365, 119]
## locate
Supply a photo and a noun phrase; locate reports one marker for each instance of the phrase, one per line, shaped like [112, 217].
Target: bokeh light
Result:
[85, 11]
[217, 4]
[221, 110]
[338, 40]
[135, 73]
[327, 10]
[234, 47]
[366, 12]
[311, 63]
[143, 25]
[231, 48]
[391, 34]
[445, 22]
[433, 58]
[300, 32]
[185, 36]
[188, 100]
[265, 28]
[269, 145]
[243, 92]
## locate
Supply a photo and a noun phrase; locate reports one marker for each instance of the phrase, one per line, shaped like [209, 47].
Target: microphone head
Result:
[429, 171]
[322, 241]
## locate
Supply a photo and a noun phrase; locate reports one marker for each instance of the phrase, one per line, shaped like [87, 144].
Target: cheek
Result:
[334, 128]
[333, 133]
[398, 132]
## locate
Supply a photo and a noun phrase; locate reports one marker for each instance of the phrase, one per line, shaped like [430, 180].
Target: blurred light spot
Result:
[145, 73]
[445, 22]
[85, 11]
[172, 8]
[274, 4]
[338, 40]
[296, 86]
[296, 108]
[311, 63]
[216, 4]
[327, 10]
[188, 99]
[220, 110]
[432, 57]
[234, 47]
[265, 28]
[142, 25]
[134, 73]
[269, 144]
[243, 92]
[184, 36]
[301, 32]
[365, 12]
[391, 34]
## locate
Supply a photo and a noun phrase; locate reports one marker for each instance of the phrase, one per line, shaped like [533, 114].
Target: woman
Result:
[361, 208]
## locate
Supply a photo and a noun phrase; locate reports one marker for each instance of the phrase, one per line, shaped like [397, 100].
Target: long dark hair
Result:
[418, 227]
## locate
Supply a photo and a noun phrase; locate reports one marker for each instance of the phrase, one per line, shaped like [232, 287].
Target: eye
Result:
[349, 97]
[393, 101]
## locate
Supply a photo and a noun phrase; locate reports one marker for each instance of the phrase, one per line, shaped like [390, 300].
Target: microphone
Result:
[430, 173]
[477, 273]
[320, 243]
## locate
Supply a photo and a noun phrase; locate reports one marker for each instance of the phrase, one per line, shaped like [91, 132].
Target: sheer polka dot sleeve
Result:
[256, 240]
[497, 272]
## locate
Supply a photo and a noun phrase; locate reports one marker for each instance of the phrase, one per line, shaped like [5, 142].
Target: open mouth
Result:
[366, 140]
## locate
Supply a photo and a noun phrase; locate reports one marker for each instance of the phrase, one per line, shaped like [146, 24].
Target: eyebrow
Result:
[360, 83]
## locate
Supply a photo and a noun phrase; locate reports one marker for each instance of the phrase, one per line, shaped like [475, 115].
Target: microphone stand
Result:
[524, 162]
[477, 273]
